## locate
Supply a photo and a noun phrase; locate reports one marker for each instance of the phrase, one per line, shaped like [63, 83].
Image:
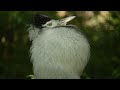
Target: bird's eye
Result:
[49, 24]
[61, 20]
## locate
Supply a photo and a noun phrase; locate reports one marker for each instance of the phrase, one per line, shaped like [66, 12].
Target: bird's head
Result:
[62, 22]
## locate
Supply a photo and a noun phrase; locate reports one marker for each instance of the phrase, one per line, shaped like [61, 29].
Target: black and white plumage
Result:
[58, 51]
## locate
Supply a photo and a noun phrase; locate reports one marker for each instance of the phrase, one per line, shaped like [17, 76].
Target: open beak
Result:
[67, 19]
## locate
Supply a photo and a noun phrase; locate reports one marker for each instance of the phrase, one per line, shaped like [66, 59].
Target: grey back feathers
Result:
[59, 52]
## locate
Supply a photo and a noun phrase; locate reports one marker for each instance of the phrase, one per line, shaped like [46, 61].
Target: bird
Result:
[59, 50]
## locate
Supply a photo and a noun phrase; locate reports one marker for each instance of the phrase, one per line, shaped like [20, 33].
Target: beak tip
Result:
[73, 17]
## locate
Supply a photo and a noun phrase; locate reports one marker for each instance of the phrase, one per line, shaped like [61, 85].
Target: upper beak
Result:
[67, 19]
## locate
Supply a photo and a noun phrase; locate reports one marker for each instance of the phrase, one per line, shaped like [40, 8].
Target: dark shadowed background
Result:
[102, 28]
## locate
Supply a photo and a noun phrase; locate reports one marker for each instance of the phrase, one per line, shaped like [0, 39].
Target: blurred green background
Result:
[102, 29]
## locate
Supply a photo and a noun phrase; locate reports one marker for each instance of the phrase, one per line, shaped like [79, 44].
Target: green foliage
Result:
[102, 30]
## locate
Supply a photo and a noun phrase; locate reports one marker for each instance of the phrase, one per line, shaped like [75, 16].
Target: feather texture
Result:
[59, 53]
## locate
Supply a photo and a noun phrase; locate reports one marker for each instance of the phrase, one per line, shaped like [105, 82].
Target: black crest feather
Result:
[39, 20]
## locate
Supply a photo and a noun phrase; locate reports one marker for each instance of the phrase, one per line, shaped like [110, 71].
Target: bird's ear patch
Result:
[39, 20]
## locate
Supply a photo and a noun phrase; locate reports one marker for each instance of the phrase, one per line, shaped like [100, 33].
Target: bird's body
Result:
[59, 52]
